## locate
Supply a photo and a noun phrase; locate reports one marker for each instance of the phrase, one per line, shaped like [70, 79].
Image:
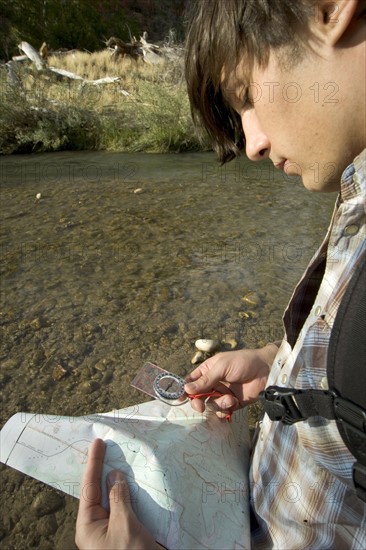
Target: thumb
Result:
[119, 493]
[201, 380]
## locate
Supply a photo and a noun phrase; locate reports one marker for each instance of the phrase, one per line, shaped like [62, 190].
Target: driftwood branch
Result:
[74, 76]
[141, 49]
[66, 74]
[152, 53]
[33, 55]
[124, 49]
[19, 58]
[40, 64]
[105, 80]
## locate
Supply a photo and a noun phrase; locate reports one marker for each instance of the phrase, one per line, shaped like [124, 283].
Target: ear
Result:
[333, 19]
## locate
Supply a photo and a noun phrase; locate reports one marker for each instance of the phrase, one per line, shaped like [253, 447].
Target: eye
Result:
[246, 100]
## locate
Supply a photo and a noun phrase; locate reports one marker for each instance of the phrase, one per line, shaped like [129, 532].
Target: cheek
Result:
[287, 122]
[276, 120]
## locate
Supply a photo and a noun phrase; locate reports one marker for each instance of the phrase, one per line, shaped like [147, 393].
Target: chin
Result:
[292, 168]
[324, 186]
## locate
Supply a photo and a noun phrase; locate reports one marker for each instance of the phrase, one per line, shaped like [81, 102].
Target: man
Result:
[287, 79]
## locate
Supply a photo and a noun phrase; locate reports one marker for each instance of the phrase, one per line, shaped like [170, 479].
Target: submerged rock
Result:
[251, 298]
[207, 346]
[58, 372]
[88, 386]
[244, 315]
[47, 502]
[230, 343]
[197, 358]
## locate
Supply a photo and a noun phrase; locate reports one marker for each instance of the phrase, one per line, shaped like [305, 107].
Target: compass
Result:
[169, 387]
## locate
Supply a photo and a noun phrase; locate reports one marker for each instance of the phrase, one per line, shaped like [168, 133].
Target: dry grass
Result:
[147, 109]
[101, 64]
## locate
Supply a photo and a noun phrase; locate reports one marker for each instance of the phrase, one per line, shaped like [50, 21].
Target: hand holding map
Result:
[187, 471]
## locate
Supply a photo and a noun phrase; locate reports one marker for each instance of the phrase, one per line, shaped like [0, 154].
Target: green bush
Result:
[31, 126]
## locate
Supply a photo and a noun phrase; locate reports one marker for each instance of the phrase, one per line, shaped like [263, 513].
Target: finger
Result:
[196, 373]
[224, 415]
[201, 369]
[119, 494]
[91, 492]
[198, 405]
[225, 403]
[205, 380]
[123, 521]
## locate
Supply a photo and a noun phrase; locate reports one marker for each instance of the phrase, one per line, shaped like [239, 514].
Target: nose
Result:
[257, 144]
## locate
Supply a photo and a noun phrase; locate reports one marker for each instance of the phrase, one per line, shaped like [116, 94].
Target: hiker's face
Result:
[303, 118]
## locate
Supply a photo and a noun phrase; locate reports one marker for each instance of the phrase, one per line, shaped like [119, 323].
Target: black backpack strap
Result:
[345, 402]
[346, 367]
[289, 405]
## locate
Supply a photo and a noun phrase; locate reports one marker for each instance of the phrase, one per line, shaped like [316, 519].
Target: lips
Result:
[280, 165]
[290, 168]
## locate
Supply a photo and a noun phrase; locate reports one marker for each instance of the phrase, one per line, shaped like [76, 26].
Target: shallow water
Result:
[97, 278]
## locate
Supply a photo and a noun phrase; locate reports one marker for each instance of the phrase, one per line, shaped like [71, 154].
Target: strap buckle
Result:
[280, 405]
[351, 415]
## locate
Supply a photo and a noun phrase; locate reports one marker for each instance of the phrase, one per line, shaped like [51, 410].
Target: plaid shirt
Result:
[301, 475]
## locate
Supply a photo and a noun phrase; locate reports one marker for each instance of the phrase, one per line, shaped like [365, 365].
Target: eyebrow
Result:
[230, 93]
[229, 86]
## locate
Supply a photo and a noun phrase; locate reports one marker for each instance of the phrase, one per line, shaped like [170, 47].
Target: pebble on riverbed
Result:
[88, 386]
[37, 323]
[58, 372]
[198, 358]
[250, 314]
[251, 298]
[47, 502]
[47, 525]
[229, 344]
[207, 346]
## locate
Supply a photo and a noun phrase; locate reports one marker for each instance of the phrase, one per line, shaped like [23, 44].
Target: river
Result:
[109, 260]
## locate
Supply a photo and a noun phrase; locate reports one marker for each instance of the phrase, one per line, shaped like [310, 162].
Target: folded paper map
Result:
[188, 472]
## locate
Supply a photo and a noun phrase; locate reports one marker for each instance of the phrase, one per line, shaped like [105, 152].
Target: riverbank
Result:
[146, 110]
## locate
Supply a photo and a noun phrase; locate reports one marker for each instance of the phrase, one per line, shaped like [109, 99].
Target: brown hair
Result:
[221, 33]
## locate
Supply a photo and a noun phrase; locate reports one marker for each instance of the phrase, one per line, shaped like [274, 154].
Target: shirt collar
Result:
[353, 181]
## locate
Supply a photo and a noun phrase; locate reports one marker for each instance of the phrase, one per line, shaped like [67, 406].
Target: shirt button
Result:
[318, 311]
[324, 383]
[284, 378]
[351, 230]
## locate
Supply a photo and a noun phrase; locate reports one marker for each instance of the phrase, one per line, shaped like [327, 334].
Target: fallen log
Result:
[19, 58]
[66, 74]
[105, 80]
[124, 49]
[74, 76]
[33, 55]
[152, 52]
[152, 57]
[43, 51]
[147, 46]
